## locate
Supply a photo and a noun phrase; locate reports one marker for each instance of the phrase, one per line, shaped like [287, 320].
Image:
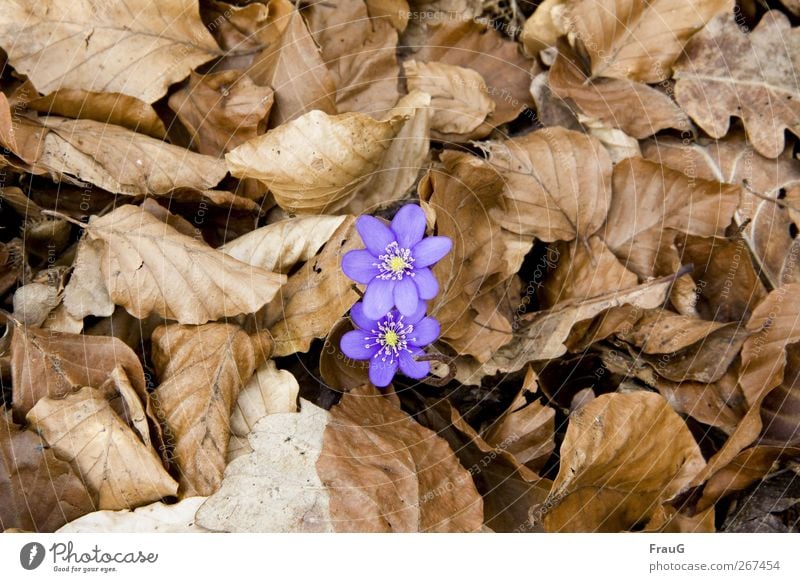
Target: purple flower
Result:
[395, 264]
[391, 342]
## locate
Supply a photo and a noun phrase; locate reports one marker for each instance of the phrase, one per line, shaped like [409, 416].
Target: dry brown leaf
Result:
[582, 270]
[20, 135]
[751, 76]
[315, 297]
[544, 27]
[635, 108]
[459, 100]
[465, 42]
[336, 369]
[201, 371]
[86, 293]
[278, 247]
[774, 249]
[49, 363]
[360, 52]
[106, 47]
[149, 267]
[154, 518]
[269, 391]
[12, 264]
[107, 108]
[557, 183]
[663, 332]
[34, 302]
[386, 473]
[615, 470]
[38, 492]
[638, 39]
[122, 161]
[316, 162]
[649, 200]
[275, 487]
[463, 194]
[294, 68]
[222, 110]
[82, 429]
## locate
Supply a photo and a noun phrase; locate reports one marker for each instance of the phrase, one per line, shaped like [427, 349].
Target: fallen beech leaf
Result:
[269, 391]
[557, 183]
[465, 42]
[635, 108]
[107, 108]
[34, 302]
[359, 50]
[386, 473]
[106, 48]
[316, 162]
[49, 363]
[222, 110]
[766, 98]
[662, 332]
[12, 264]
[461, 194]
[638, 39]
[295, 70]
[86, 293]
[770, 240]
[122, 161]
[315, 297]
[336, 369]
[20, 135]
[649, 200]
[38, 492]
[83, 429]
[201, 369]
[396, 11]
[280, 246]
[459, 100]
[149, 267]
[510, 490]
[552, 111]
[275, 488]
[154, 518]
[544, 27]
[615, 471]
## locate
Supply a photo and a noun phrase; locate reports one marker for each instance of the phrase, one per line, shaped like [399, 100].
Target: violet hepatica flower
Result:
[390, 342]
[395, 264]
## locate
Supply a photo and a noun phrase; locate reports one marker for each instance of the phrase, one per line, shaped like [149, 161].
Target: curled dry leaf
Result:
[154, 518]
[86, 293]
[615, 471]
[459, 99]
[751, 76]
[278, 247]
[105, 47]
[49, 363]
[222, 110]
[316, 162]
[638, 39]
[201, 369]
[544, 27]
[122, 161]
[360, 52]
[114, 463]
[34, 302]
[557, 183]
[107, 108]
[269, 391]
[149, 267]
[315, 297]
[637, 109]
[650, 200]
[386, 473]
[274, 488]
[19, 135]
[38, 492]
[336, 369]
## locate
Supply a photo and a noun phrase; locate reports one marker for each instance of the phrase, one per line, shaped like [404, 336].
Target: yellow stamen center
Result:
[397, 264]
[390, 338]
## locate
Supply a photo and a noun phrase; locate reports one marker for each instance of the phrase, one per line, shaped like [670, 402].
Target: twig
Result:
[451, 369]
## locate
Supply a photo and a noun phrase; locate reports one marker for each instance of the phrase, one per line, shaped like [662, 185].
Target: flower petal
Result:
[412, 368]
[361, 320]
[375, 234]
[425, 332]
[417, 315]
[427, 285]
[360, 266]
[429, 250]
[409, 225]
[379, 298]
[406, 296]
[381, 373]
[353, 344]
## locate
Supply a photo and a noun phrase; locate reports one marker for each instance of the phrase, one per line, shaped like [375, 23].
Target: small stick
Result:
[451, 369]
